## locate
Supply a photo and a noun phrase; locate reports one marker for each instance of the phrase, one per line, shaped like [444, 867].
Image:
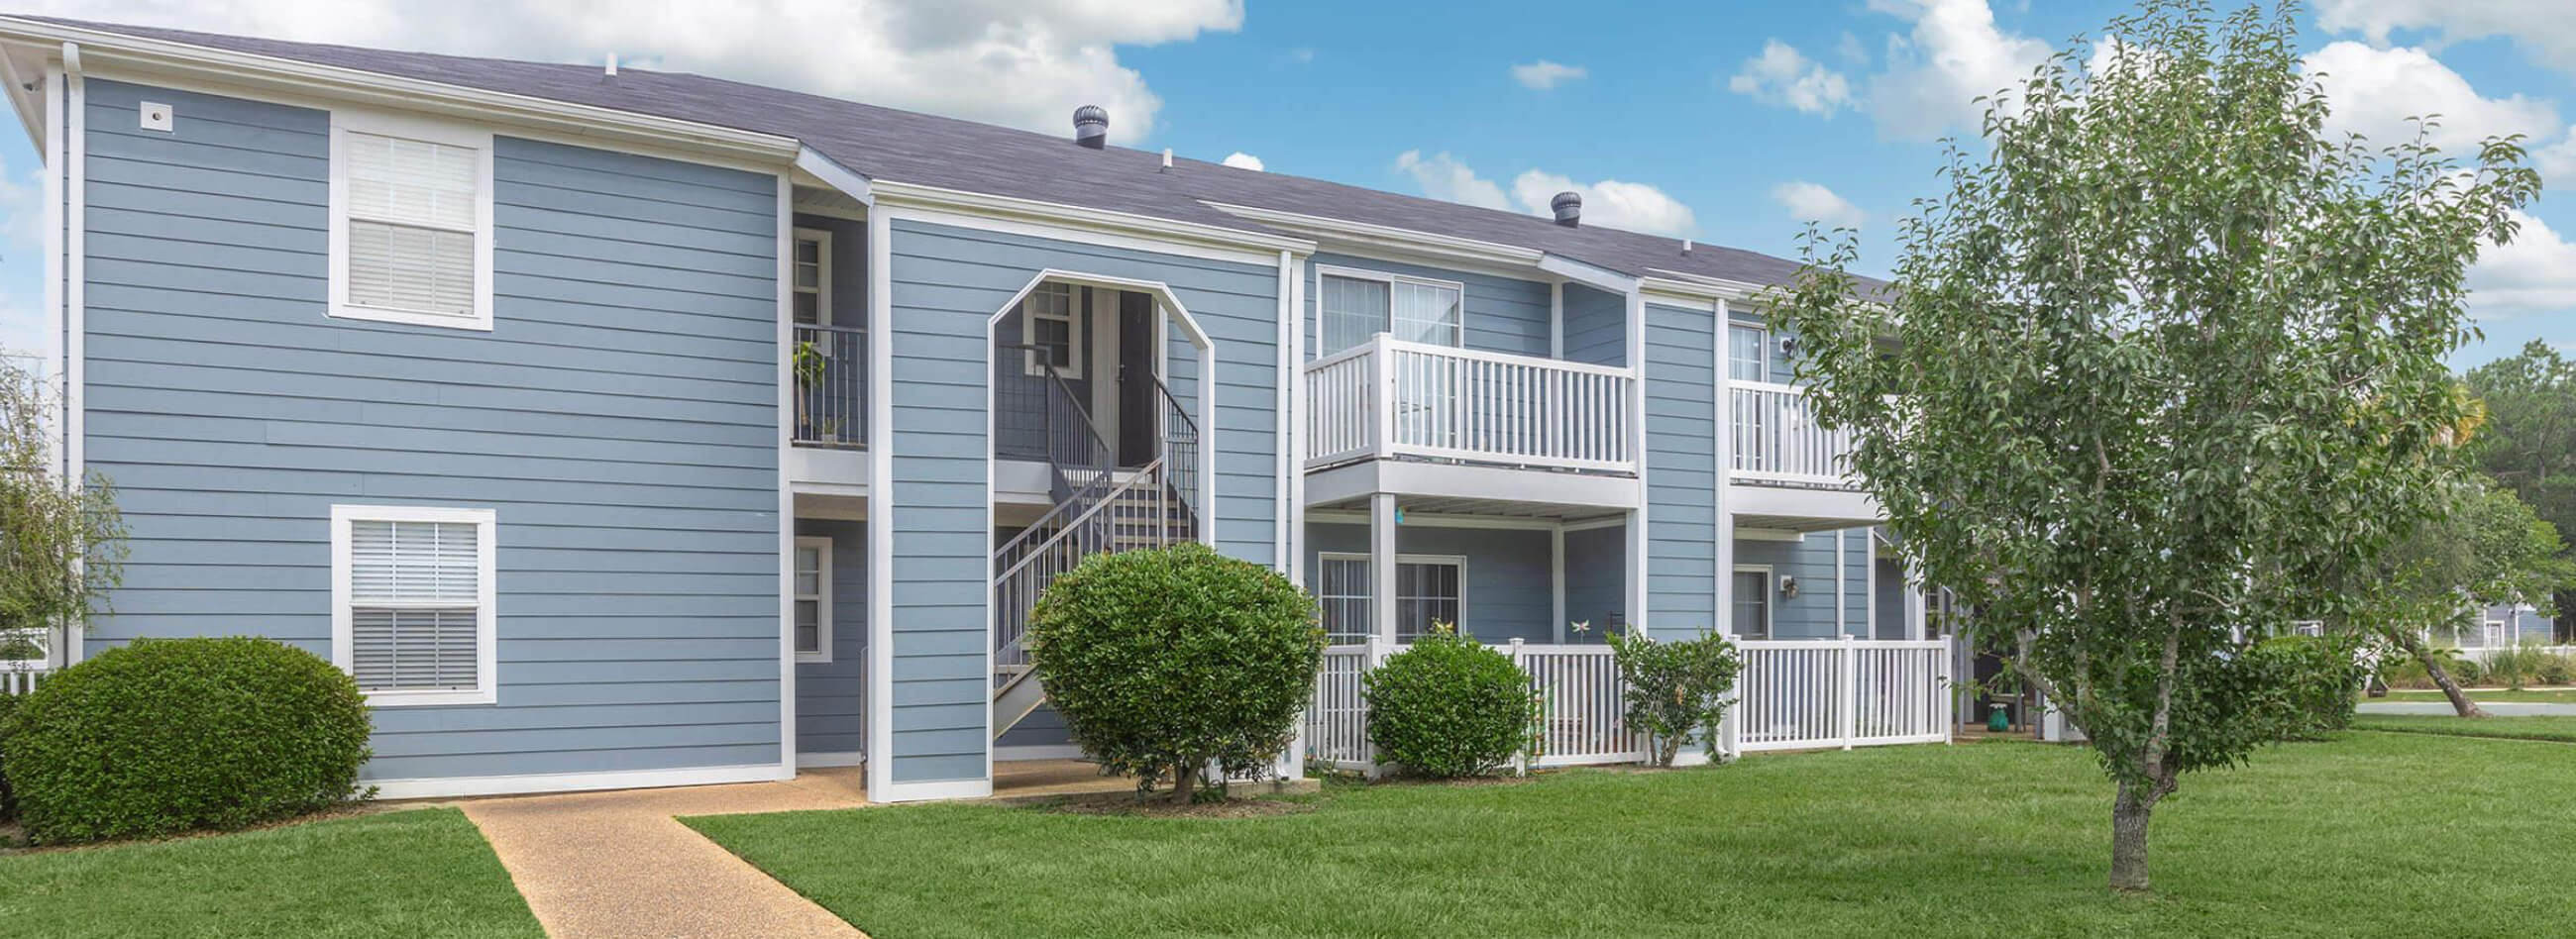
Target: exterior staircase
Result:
[1103, 509]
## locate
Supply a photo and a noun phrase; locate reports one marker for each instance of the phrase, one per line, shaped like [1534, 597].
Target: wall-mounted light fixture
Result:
[1789, 587]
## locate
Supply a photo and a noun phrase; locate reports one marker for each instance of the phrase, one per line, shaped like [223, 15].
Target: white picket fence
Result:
[1812, 693]
[1794, 694]
[18, 678]
[1581, 706]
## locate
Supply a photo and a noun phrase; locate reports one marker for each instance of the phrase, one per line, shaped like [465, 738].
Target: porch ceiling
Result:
[1482, 508]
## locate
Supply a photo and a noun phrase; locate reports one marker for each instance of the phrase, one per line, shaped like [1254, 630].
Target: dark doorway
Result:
[1137, 396]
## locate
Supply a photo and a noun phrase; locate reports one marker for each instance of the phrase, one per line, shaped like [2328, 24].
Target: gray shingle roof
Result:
[925, 149]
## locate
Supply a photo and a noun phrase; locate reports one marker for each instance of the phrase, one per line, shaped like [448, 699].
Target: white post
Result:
[1850, 690]
[1842, 581]
[1556, 579]
[1382, 566]
[1913, 604]
[1636, 583]
[1382, 380]
[1520, 755]
[1949, 690]
[1371, 657]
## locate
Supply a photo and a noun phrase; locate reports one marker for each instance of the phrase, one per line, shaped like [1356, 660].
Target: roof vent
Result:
[1569, 208]
[1091, 126]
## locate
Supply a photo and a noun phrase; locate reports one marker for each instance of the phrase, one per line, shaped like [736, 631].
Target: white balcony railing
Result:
[1391, 398]
[1775, 438]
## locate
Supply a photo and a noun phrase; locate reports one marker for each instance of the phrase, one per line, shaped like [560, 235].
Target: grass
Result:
[2360, 836]
[2544, 695]
[422, 872]
[2560, 728]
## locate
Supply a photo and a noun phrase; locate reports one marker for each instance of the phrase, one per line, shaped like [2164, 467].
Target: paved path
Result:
[617, 863]
[2498, 708]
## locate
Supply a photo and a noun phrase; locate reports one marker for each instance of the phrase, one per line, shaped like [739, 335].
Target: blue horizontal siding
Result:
[1681, 461]
[1510, 576]
[1503, 314]
[619, 419]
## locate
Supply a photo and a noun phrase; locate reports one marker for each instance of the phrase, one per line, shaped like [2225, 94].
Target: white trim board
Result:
[451, 787]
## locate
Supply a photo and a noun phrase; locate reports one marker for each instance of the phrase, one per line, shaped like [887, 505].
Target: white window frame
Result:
[822, 598]
[1762, 366]
[822, 289]
[486, 618]
[1076, 308]
[347, 120]
[1458, 561]
[1457, 341]
[1367, 600]
[1770, 600]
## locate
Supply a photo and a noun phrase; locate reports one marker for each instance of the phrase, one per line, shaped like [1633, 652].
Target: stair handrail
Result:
[1097, 462]
[1087, 534]
[1181, 442]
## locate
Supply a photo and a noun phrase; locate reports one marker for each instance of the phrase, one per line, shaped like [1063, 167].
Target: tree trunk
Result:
[1184, 782]
[2441, 677]
[2129, 814]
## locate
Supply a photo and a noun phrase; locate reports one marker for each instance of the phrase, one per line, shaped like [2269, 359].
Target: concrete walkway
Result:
[618, 864]
[2497, 708]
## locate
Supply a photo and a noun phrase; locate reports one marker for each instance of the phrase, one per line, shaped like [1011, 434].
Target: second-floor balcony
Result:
[829, 366]
[1393, 399]
[1774, 438]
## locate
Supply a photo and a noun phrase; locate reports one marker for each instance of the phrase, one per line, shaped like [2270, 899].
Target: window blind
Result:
[412, 224]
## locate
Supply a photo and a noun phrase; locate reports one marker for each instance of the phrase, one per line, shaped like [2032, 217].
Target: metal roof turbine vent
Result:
[1091, 126]
[1569, 208]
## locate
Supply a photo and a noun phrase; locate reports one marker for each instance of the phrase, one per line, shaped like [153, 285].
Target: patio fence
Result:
[1794, 694]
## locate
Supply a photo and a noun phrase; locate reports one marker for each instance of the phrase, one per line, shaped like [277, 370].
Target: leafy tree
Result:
[62, 547]
[2484, 546]
[2157, 364]
[2528, 441]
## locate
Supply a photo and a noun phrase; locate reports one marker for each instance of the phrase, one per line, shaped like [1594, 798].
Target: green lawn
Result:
[2561, 728]
[2361, 836]
[2549, 695]
[422, 872]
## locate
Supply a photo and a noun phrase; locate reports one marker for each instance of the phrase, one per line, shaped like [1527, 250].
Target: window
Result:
[1049, 321]
[1352, 306]
[813, 277]
[411, 597]
[813, 599]
[411, 216]
[1428, 589]
[1748, 353]
[1752, 603]
[1342, 594]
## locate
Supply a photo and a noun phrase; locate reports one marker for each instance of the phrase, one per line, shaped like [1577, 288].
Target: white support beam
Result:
[1382, 565]
[1556, 583]
[1914, 601]
[1639, 553]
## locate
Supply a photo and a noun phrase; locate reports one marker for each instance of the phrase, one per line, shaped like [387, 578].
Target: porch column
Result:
[1636, 585]
[1914, 601]
[1382, 565]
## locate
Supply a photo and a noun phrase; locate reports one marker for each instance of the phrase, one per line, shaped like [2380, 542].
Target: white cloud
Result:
[2556, 161]
[1852, 51]
[1443, 177]
[1023, 63]
[1609, 203]
[1243, 161]
[2542, 28]
[2535, 273]
[1811, 202]
[1954, 54]
[1544, 74]
[2374, 91]
[1781, 75]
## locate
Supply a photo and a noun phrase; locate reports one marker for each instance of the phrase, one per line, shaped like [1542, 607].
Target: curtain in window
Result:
[1352, 310]
[1746, 358]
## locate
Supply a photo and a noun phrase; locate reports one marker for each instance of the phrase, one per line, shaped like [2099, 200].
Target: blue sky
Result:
[1731, 122]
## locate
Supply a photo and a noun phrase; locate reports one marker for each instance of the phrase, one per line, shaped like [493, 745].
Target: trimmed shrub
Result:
[2310, 681]
[8, 801]
[1675, 688]
[2557, 669]
[1449, 707]
[1166, 661]
[170, 735]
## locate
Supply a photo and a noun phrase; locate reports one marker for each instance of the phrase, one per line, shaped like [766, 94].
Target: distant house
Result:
[624, 428]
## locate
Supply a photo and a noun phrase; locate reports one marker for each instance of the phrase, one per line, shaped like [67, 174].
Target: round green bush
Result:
[170, 735]
[1448, 707]
[1167, 660]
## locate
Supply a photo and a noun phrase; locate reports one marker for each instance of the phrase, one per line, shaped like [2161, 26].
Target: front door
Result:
[1137, 396]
